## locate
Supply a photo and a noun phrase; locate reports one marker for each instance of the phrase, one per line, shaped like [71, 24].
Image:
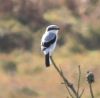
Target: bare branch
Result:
[71, 95]
[81, 93]
[69, 91]
[70, 85]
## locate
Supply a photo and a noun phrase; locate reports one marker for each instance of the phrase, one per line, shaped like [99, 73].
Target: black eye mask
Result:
[53, 29]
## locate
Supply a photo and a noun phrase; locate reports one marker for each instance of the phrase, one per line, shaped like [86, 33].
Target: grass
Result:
[46, 81]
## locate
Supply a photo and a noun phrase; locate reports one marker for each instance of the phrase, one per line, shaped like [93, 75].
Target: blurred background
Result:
[22, 24]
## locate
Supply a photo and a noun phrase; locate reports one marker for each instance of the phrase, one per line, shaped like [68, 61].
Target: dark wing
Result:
[49, 40]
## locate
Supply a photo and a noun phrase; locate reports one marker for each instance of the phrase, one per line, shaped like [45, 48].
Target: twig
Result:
[81, 93]
[91, 91]
[70, 85]
[68, 91]
[66, 85]
[71, 95]
[79, 80]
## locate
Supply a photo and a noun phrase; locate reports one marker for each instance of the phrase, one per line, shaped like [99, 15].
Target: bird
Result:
[49, 41]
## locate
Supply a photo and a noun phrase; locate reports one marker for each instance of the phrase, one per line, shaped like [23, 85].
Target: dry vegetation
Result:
[22, 23]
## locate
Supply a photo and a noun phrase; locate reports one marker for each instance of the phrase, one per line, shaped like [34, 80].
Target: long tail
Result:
[47, 62]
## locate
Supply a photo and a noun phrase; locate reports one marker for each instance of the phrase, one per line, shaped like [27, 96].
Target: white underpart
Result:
[52, 47]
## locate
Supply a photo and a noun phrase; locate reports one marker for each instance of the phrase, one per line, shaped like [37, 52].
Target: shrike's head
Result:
[52, 28]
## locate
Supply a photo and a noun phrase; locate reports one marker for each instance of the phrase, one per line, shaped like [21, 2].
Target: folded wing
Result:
[49, 40]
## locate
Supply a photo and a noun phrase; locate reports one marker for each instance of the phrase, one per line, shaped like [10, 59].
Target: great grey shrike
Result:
[48, 42]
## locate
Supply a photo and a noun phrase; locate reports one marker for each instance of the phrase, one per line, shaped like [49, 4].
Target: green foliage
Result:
[98, 95]
[28, 91]
[75, 49]
[9, 67]
[35, 70]
[9, 23]
[14, 35]
[94, 38]
[61, 15]
[29, 20]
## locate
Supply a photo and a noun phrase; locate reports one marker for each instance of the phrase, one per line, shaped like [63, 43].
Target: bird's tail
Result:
[47, 61]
